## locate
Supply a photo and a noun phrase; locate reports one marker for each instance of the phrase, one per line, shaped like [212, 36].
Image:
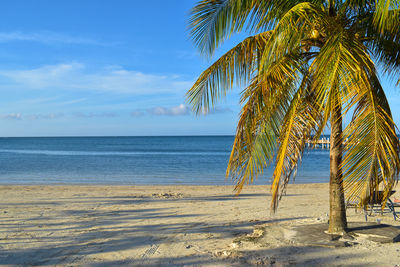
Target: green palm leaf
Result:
[307, 65]
[238, 64]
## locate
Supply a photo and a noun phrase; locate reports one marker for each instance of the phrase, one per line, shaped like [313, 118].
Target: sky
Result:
[107, 68]
[90, 68]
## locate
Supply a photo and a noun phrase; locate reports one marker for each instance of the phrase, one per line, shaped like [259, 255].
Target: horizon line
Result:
[77, 136]
[59, 136]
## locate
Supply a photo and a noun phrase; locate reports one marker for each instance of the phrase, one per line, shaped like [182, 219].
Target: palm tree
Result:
[306, 66]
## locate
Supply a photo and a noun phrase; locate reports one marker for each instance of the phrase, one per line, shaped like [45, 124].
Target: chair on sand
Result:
[375, 204]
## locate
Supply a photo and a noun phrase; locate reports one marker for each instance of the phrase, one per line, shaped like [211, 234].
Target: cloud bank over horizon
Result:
[180, 110]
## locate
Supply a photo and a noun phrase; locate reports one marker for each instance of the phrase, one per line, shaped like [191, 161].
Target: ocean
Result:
[186, 160]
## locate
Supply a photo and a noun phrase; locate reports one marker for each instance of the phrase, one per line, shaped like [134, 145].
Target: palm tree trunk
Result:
[337, 208]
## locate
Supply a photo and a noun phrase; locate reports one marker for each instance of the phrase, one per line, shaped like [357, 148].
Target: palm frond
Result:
[385, 47]
[256, 135]
[297, 24]
[212, 21]
[358, 6]
[333, 71]
[372, 147]
[267, 14]
[387, 53]
[387, 13]
[237, 65]
[266, 102]
[300, 121]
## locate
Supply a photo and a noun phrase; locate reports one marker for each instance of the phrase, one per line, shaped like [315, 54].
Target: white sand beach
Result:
[171, 226]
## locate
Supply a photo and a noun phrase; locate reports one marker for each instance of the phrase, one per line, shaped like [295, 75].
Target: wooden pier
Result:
[322, 143]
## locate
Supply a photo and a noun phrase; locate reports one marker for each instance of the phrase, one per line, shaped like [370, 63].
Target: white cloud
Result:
[94, 115]
[40, 116]
[54, 76]
[73, 101]
[180, 110]
[11, 116]
[75, 76]
[48, 116]
[171, 111]
[46, 38]
[56, 115]
[137, 113]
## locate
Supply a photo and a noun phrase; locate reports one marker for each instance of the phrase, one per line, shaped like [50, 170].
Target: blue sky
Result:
[72, 68]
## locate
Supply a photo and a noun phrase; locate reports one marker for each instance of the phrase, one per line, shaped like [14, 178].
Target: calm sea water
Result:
[199, 160]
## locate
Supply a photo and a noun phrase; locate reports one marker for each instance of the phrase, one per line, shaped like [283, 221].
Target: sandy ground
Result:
[170, 226]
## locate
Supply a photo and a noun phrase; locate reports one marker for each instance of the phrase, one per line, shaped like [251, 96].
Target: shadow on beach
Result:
[152, 228]
[283, 256]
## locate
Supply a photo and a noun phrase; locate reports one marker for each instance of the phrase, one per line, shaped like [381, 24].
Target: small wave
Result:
[105, 153]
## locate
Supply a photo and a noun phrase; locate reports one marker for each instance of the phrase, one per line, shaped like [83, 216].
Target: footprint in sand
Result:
[150, 251]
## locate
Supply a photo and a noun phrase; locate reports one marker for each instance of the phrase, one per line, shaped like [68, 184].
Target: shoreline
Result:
[150, 225]
[147, 185]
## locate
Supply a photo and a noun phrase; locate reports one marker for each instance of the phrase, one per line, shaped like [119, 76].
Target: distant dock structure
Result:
[324, 142]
